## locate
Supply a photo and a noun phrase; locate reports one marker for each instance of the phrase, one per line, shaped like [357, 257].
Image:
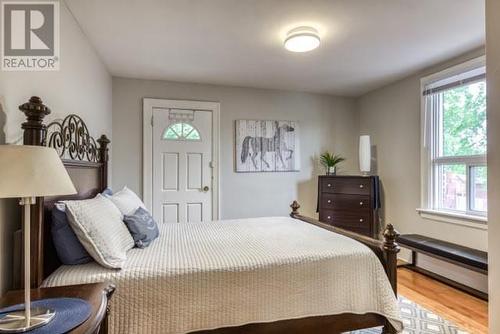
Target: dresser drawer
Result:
[356, 186]
[345, 202]
[346, 218]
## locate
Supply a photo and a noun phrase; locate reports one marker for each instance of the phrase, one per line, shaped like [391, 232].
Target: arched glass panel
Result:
[181, 131]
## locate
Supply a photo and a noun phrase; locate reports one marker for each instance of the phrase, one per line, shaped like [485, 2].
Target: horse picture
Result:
[266, 146]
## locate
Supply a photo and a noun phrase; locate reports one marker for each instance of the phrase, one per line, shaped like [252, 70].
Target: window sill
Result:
[476, 222]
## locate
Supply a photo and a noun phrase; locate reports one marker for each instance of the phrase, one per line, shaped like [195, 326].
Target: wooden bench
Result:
[462, 256]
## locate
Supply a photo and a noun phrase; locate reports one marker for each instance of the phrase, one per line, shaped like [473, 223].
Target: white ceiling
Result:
[365, 43]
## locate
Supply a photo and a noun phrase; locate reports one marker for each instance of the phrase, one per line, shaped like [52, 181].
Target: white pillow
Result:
[98, 224]
[126, 201]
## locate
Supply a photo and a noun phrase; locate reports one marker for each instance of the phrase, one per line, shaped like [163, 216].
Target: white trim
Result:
[429, 146]
[454, 70]
[478, 160]
[477, 222]
[147, 178]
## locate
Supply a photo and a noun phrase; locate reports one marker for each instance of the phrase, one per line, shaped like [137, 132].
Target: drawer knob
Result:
[329, 185]
[329, 217]
[361, 220]
[329, 201]
[361, 186]
[360, 203]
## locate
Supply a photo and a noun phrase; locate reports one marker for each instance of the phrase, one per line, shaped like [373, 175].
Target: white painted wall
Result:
[326, 123]
[493, 82]
[391, 115]
[82, 86]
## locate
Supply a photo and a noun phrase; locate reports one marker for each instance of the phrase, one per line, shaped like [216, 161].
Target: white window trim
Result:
[477, 222]
[425, 210]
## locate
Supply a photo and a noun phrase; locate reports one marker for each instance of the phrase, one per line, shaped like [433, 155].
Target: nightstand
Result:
[97, 294]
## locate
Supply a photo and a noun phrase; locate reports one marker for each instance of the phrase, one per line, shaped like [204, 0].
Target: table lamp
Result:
[365, 155]
[27, 172]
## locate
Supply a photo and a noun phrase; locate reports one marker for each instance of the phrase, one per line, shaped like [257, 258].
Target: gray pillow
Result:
[142, 227]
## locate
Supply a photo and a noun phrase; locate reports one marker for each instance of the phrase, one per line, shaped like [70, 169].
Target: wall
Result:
[391, 115]
[82, 86]
[493, 80]
[326, 123]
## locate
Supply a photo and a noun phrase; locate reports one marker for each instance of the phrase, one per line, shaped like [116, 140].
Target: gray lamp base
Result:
[15, 322]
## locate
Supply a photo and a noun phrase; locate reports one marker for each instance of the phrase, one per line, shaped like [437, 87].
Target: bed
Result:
[261, 275]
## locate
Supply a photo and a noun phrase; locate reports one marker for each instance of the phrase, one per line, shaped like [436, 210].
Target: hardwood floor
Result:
[468, 312]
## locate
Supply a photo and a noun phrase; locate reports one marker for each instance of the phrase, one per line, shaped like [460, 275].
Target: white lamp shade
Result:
[32, 171]
[364, 154]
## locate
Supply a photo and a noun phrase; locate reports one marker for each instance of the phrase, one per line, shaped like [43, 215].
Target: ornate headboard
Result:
[86, 161]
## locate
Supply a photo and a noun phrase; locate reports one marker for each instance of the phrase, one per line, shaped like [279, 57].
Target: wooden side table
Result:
[97, 294]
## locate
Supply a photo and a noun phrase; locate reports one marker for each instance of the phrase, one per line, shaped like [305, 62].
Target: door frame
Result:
[149, 104]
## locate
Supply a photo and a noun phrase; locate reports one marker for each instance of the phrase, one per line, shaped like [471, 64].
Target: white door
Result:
[183, 158]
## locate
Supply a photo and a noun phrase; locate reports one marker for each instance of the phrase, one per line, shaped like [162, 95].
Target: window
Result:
[455, 141]
[181, 131]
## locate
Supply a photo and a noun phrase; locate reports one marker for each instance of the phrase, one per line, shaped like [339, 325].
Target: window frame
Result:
[430, 159]
[181, 136]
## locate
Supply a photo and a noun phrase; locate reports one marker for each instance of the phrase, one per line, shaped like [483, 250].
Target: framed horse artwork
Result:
[267, 146]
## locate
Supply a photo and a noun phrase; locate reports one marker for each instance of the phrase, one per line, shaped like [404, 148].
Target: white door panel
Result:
[170, 213]
[170, 178]
[182, 155]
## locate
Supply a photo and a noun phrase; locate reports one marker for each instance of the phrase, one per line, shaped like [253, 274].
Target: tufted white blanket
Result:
[234, 272]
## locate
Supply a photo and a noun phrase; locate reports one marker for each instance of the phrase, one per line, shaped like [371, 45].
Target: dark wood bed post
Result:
[387, 250]
[34, 134]
[391, 250]
[103, 142]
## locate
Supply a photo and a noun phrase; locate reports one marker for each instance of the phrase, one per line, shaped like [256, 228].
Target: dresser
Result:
[350, 202]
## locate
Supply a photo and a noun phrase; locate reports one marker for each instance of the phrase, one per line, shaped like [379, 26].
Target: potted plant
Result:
[330, 162]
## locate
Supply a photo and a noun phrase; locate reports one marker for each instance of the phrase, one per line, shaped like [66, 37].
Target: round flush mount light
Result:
[302, 39]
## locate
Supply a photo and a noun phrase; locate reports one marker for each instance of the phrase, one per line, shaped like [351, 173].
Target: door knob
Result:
[206, 188]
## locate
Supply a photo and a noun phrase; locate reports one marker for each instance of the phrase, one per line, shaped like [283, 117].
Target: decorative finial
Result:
[103, 141]
[390, 237]
[103, 148]
[295, 208]
[34, 109]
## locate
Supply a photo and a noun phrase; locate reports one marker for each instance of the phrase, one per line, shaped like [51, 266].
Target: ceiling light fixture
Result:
[302, 39]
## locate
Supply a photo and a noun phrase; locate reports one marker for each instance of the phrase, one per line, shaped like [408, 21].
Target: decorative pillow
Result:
[68, 247]
[142, 227]
[126, 201]
[98, 225]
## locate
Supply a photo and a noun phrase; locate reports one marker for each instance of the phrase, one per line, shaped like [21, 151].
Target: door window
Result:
[181, 131]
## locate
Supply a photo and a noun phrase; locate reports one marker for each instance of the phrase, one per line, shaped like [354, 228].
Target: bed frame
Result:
[86, 161]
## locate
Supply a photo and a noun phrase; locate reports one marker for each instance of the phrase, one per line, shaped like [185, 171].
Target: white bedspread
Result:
[234, 272]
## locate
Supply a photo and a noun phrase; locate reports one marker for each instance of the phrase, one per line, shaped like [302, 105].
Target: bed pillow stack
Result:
[103, 228]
